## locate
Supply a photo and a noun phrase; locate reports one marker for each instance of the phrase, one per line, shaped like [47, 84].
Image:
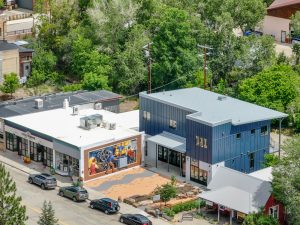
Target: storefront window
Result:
[116, 156]
[66, 164]
[11, 141]
[22, 144]
[197, 174]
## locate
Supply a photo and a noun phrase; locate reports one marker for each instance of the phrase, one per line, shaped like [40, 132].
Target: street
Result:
[67, 211]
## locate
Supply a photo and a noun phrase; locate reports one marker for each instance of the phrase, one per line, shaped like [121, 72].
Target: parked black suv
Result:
[135, 219]
[106, 205]
[44, 180]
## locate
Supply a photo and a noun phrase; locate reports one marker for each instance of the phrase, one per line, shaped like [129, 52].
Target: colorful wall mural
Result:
[112, 157]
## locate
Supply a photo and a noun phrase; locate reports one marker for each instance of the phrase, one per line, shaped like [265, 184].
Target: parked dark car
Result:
[135, 219]
[73, 192]
[106, 205]
[44, 180]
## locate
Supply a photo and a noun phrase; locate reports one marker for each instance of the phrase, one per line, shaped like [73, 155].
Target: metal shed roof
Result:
[54, 101]
[170, 141]
[212, 108]
[237, 190]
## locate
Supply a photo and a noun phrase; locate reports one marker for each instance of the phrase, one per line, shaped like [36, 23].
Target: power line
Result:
[153, 89]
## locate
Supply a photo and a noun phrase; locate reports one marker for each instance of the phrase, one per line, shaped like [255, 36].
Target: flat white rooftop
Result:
[62, 125]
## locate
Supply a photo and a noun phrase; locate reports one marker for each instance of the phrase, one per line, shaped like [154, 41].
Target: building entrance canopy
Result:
[170, 141]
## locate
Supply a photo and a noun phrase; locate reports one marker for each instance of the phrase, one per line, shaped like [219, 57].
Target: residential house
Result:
[15, 59]
[237, 194]
[196, 131]
[278, 19]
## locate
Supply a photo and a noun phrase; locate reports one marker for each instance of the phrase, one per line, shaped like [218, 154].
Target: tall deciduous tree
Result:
[174, 48]
[274, 88]
[10, 84]
[11, 210]
[48, 215]
[286, 180]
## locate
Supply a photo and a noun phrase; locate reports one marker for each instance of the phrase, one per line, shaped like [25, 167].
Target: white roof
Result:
[62, 125]
[212, 108]
[238, 191]
[263, 174]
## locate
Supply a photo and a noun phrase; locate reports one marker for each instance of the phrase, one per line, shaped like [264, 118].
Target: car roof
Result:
[107, 199]
[141, 217]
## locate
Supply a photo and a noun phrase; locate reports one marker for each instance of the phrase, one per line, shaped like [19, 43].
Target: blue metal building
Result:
[198, 130]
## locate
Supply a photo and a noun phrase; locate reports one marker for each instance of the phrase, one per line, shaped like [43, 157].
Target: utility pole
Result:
[147, 50]
[205, 61]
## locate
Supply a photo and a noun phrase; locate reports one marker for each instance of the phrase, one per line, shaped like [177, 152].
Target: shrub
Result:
[72, 87]
[169, 212]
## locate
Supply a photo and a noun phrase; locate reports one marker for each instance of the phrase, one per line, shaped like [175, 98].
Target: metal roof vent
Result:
[222, 98]
[39, 103]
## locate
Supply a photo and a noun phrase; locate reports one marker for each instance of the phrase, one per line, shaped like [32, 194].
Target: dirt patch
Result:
[128, 105]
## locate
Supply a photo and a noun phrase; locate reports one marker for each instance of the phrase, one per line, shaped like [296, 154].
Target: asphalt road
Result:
[67, 211]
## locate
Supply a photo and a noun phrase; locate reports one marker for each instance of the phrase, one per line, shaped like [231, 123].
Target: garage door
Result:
[26, 4]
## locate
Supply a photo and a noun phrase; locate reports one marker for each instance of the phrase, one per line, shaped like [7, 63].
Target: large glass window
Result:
[11, 141]
[66, 164]
[22, 144]
[197, 174]
[174, 156]
[118, 156]
[264, 130]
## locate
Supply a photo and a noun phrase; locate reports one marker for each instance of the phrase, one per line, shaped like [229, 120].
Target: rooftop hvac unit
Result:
[98, 106]
[111, 126]
[39, 103]
[90, 122]
[75, 110]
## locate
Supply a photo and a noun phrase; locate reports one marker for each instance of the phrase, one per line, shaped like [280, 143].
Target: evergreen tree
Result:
[11, 210]
[48, 215]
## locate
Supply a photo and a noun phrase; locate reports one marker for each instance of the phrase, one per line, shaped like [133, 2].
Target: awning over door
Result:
[170, 141]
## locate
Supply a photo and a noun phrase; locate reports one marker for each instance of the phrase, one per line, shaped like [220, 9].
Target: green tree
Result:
[296, 51]
[48, 215]
[246, 14]
[295, 23]
[1, 4]
[130, 63]
[286, 179]
[11, 210]
[167, 192]
[174, 49]
[43, 61]
[92, 81]
[259, 219]
[10, 84]
[270, 160]
[274, 88]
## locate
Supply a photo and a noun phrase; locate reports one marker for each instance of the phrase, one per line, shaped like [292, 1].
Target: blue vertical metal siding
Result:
[194, 129]
[160, 116]
[235, 152]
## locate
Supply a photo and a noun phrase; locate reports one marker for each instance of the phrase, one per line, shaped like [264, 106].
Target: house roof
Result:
[54, 101]
[212, 108]
[283, 3]
[263, 174]
[5, 46]
[238, 191]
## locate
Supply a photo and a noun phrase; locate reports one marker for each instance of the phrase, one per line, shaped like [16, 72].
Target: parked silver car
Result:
[44, 180]
[73, 192]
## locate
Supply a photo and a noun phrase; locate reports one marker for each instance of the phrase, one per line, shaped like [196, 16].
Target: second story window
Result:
[201, 142]
[253, 131]
[264, 130]
[238, 136]
[146, 115]
[173, 124]
[251, 161]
